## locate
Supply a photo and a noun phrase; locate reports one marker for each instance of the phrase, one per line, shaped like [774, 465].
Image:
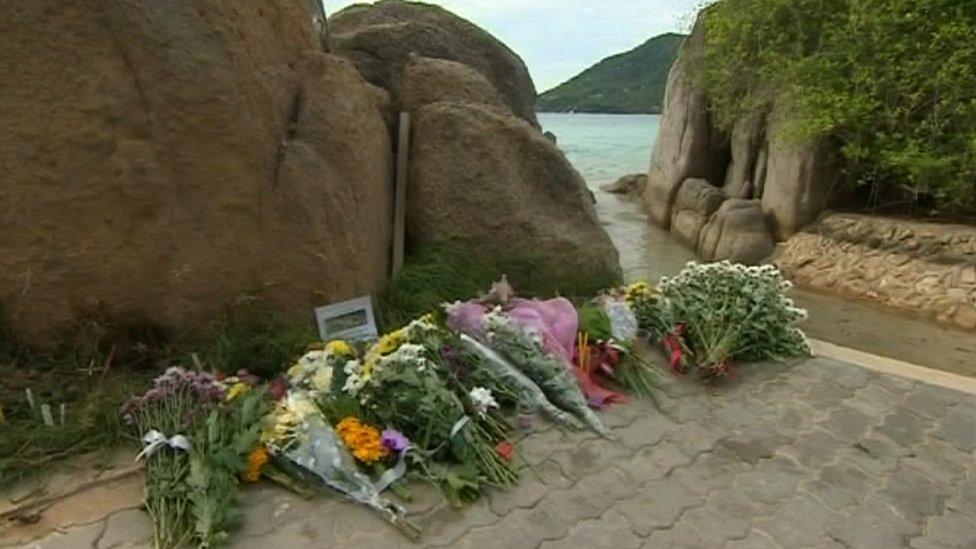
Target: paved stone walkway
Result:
[820, 454]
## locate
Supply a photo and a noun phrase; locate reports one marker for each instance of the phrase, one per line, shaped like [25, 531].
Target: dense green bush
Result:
[892, 83]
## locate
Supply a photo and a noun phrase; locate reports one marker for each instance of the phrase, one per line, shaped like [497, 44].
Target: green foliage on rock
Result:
[630, 82]
[889, 82]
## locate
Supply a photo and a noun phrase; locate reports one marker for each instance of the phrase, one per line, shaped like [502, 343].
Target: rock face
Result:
[496, 182]
[753, 162]
[737, 232]
[481, 172]
[687, 146]
[427, 81]
[697, 200]
[190, 154]
[922, 268]
[630, 185]
[381, 37]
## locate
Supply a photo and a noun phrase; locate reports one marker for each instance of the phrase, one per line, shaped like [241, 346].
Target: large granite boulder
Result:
[497, 184]
[756, 161]
[687, 146]
[798, 185]
[427, 81]
[695, 203]
[737, 232]
[745, 176]
[189, 155]
[381, 37]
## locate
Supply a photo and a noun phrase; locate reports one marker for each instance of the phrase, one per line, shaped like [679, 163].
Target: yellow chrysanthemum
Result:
[340, 348]
[391, 342]
[237, 390]
[638, 291]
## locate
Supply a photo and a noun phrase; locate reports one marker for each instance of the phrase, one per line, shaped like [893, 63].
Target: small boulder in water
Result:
[630, 185]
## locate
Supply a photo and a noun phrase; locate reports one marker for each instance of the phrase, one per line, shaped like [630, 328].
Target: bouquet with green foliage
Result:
[196, 442]
[606, 348]
[405, 382]
[722, 312]
[549, 372]
[217, 458]
[313, 452]
[528, 396]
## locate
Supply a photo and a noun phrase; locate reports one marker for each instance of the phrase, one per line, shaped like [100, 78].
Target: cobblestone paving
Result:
[820, 454]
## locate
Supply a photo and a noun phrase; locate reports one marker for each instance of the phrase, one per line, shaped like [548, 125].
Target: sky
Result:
[560, 38]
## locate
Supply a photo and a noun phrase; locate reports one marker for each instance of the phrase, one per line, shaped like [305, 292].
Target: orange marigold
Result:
[255, 465]
[364, 441]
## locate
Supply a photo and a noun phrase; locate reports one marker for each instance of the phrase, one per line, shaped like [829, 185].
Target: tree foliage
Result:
[891, 82]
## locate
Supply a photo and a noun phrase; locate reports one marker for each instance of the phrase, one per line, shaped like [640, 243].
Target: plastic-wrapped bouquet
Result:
[528, 353]
[299, 433]
[722, 312]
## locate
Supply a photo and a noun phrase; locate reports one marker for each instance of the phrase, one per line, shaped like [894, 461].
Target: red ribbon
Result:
[672, 344]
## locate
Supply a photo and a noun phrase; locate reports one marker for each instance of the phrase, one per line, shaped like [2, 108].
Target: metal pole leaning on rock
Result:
[400, 193]
[320, 23]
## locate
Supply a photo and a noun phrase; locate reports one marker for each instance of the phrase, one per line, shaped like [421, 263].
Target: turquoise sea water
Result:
[604, 147]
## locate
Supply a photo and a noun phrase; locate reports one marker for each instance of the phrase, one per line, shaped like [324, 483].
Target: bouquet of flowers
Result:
[406, 383]
[197, 436]
[605, 351]
[550, 373]
[528, 396]
[300, 435]
[721, 312]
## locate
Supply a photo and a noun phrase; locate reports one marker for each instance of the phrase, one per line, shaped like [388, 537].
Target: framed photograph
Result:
[352, 320]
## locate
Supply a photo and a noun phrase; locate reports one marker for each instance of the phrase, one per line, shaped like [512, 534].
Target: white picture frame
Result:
[350, 320]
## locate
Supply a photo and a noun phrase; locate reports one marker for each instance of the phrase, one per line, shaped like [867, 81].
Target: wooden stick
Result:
[400, 193]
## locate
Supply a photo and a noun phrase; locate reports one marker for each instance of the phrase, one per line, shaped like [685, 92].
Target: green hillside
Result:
[631, 82]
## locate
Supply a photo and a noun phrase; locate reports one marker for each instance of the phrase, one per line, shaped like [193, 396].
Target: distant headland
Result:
[627, 83]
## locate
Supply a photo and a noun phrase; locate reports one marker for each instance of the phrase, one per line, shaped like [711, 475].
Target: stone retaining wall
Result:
[924, 268]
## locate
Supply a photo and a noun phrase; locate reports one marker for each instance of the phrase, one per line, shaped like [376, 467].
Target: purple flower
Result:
[394, 441]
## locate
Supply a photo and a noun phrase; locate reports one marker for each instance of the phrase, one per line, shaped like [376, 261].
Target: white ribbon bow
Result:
[155, 441]
[459, 425]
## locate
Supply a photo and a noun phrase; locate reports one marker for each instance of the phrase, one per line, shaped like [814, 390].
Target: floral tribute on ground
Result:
[442, 399]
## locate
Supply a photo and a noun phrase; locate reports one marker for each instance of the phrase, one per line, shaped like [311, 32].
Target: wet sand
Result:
[648, 252]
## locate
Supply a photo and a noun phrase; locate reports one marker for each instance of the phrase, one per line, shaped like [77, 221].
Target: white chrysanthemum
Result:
[322, 378]
[301, 404]
[482, 400]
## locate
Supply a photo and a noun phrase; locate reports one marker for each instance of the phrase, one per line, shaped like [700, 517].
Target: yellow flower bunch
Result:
[639, 291]
[387, 344]
[237, 390]
[255, 465]
[363, 440]
[391, 342]
[339, 347]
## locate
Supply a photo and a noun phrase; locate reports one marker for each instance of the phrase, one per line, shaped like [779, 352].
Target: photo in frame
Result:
[351, 320]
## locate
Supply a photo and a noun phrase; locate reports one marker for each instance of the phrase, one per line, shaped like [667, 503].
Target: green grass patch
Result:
[99, 364]
[82, 382]
[255, 339]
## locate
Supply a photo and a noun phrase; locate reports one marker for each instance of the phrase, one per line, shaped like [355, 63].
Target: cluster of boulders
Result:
[729, 195]
[481, 172]
[192, 155]
[924, 268]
